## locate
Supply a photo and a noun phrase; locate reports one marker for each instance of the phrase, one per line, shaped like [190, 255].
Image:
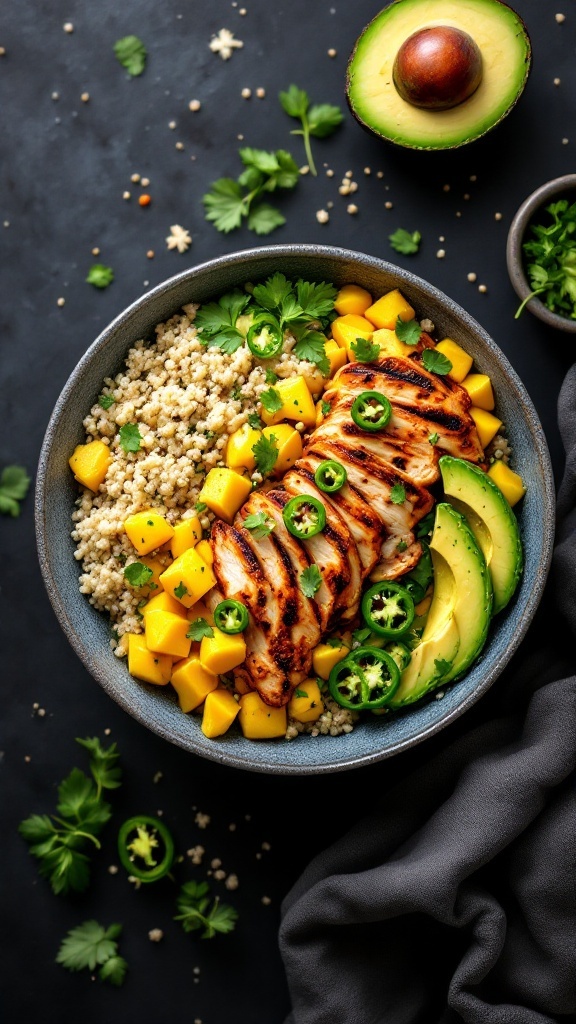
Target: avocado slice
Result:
[475, 495]
[376, 103]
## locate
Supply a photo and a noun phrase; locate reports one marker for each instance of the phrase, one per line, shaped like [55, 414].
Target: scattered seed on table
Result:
[379, 174]
[445, 188]
[194, 105]
[6, 223]
[216, 863]
[332, 52]
[85, 97]
[60, 301]
[95, 251]
[388, 205]
[135, 178]
[202, 820]
[322, 216]
[352, 208]
[219, 875]
[150, 254]
[145, 182]
[27, 758]
[172, 125]
[144, 200]
[232, 827]
[2, 51]
[304, 169]
[560, 18]
[179, 145]
[473, 177]
[68, 27]
[125, 195]
[471, 277]
[565, 141]
[266, 901]
[556, 81]
[329, 173]
[260, 92]
[466, 195]
[329, 204]
[155, 935]
[497, 216]
[458, 213]
[266, 846]
[246, 93]
[367, 170]
[482, 288]
[113, 869]
[441, 254]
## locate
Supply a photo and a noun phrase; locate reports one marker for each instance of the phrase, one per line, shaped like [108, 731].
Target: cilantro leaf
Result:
[433, 438]
[263, 218]
[131, 53]
[224, 204]
[404, 242]
[401, 546]
[198, 629]
[196, 911]
[103, 762]
[180, 590]
[364, 351]
[137, 574]
[259, 524]
[263, 161]
[113, 970]
[200, 506]
[436, 362]
[324, 119]
[271, 400]
[265, 452]
[294, 101]
[130, 437]
[90, 945]
[326, 407]
[300, 693]
[398, 494]
[311, 346]
[254, 421]
[271, 377]
[320, 120]
[14, 484]
[426, 525]
[273, 292]
[310, 580]
[334, 641]
[315, 299]
[552, 254]
[408, 331]
[423, 571]
[105, 401]
[100, 276]
[218, 319]
[228, 202]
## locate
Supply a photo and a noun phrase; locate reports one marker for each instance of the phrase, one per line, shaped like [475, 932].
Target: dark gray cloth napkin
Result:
[455, 901]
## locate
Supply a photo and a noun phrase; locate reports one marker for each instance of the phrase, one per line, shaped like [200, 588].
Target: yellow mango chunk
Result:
[487, 425]
[352, 299]
[162, 602]
[166, 633]
[337, 356]
[187, 533]
[147, 531]
[509, 482]
[345, 333]
[154, 584]
[461, 361]
[188, 578]
[89, 463]
[386, 310]
[239, 454]
[192, 682]
[297, 404]
[479, 387]
[220, 710]
[288, 443]
[224, 491]
[222, 652]
[324, 657]
[204, 549]
[258, 721]
[390, 344]
[146, 665]
[306, 704]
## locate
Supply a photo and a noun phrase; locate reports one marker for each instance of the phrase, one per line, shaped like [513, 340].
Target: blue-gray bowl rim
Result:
[249, 761]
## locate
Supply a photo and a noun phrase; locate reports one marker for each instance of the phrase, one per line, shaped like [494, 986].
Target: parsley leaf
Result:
[198, 629]
[300, 693]
[224, 204]
[263, 218]
[259, 524]
[231, 201]
[103, 763]
[271, 400]
[310, 580]
[14, 484]
[131, 53]
[216, 321]
[398, 494]
[254, 421]
[311, 346]
[364, 351]
[105, 401]
[138, 574]
[100, 276]
[130, 437]
[408, 331]
[552, 272]
[196, 911]
[436, 362]
[265, 452]
[273, 293]
[180, 590]
[404, 242]
[433, 438]
[90, 945]
[315, 299]
[320, 120]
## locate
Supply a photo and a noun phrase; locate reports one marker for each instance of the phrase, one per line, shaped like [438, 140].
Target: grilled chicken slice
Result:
[268, 647]
[392, 562]
[365, 525]
[304, 618]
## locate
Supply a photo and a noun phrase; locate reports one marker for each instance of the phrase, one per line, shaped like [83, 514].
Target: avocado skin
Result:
[415, 143]
[470, 488]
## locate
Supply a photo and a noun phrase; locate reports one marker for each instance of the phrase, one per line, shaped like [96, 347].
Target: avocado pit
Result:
[437, 68]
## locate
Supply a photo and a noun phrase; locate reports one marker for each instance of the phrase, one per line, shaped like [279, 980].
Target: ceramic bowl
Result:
[89, 630]
[529, 211]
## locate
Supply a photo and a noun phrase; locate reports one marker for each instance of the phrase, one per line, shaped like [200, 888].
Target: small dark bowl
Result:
[89, 631]
[528, 212]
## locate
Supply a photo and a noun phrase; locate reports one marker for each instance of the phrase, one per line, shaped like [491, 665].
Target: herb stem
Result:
[526, 301]
[307, 146]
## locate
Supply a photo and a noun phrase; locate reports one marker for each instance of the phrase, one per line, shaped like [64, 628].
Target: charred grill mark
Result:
[247, 553]
[377, 469]
[410, 375]
[361, 372]
[368, 516]
[399, 462]
[291, 614]
[450, 421]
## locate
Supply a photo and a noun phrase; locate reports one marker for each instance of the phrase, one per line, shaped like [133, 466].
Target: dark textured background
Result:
[64, 167]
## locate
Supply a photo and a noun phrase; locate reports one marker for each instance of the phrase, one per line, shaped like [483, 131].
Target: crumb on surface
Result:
[224, 43]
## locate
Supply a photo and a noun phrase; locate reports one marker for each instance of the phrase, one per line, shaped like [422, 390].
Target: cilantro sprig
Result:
[198, 629]
[138, 575]
[301, 307]
[231, 201]
[436, 362]
[58, 841]
[130, 437]
[100, 276]
[14, 484]
[217, 321]
[552, 270]
[259, 524]
[197, 910]
[405, 242]
[265, 453]
[398, 494]
[408, 331]
[319, 120]
[310, 580]
[131, 53]
[365, 351]
[90, 945]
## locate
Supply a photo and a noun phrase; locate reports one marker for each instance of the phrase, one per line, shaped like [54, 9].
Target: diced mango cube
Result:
[344, 332]
[162, 602]
[224, 491]
[386, 310]
[222, 652]
[192, 682]
[306, 704]
[288, 443]
[89, 463]
[509, 482]
[297, 404]
[258, 720]
[154, 583]
[337, 356]
[166, 633]
[487, 425]
[352, 299]
[187, 533]
[461, 361]
[390, 344]
[188, 578]
[204, 549]
[220, 710]
[148, 530]
[146, 665]
[239, 454]
[324, 657]
[479, 387]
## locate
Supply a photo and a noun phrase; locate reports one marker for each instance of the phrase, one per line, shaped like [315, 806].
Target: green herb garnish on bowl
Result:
[552, 270]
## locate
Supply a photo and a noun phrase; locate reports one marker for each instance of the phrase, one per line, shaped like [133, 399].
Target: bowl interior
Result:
[89, 631]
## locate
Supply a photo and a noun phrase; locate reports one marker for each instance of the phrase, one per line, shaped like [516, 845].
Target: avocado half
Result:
[375, 102]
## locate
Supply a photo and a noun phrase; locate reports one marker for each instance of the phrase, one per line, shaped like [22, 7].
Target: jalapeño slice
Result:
[304, 516]
[265, 338]
[366, 679]
[371, 411]
[231, 616]
[388, 609]
[330, 476]
[145, 848]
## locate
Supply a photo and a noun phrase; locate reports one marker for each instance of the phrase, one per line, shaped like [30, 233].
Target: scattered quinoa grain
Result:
[497, 216]
[482, 288]
[352, 208]
[27, 758]
[329, 173]
[305, 169]
[155, 935]
[232, 827]
[194, 106]
[61, 301]
[445, 188]
[560, 18]
[125, 195]
[565, 141]
[367, 170]
[260, 92]
[56, 95]
[379, 174]
[266, 901]
[466, 195]
[2, 51]
[150, 254]
[145, 182]
[180, 145]
[440, 254]
[231, 882]
[144, 200]
[458, 213]
[243, 11]
[388, 205]
[332, 52]
[322, 216]
[202, 820]
[246, 93]
[196, 854]
[112, 869]
[473, 177]
[85, 97]
[216, 863]
[135, 178]
[471, 277]
[68, 27]
[556, 81]
[219, 875]
[95, 251]
[172, 125]
[266, 846]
